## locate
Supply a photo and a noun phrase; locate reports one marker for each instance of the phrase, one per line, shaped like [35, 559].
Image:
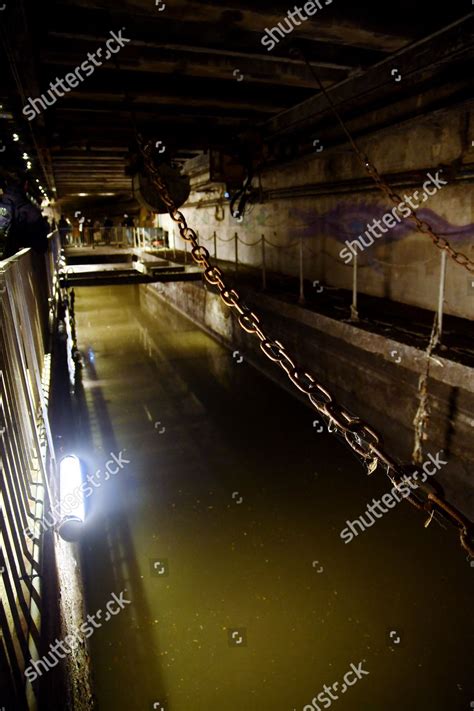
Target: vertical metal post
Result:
[301, 297]
[236, 238]
[354, 314]
[185, 251]
[264, 266]
[215, 244]
[442, 286]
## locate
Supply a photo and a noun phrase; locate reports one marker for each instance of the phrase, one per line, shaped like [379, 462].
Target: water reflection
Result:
[225, 527]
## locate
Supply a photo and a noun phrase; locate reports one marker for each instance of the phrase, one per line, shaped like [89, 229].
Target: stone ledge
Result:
[441, 369]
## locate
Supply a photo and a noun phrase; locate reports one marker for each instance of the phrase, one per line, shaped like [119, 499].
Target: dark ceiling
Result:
[179, 78]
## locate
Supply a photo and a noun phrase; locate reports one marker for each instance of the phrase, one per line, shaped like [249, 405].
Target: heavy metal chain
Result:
[421, 225]
[359, 435]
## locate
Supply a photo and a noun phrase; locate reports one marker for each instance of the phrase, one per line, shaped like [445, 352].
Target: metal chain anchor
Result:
[359, 435]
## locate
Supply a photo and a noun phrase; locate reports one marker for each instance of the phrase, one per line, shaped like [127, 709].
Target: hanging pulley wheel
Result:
[147, 195]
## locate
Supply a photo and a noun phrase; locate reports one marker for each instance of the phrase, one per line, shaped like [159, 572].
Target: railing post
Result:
[354, 314]
[215, 244]
[442, 286]
[236, 238]
[264, 266]
[185, 251]
[301, 297]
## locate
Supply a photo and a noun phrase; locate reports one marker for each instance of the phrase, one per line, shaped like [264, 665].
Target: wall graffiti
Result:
[349, 220]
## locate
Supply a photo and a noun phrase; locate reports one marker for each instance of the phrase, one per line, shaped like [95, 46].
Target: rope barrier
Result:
[206, 239]
[392, 265]
[250, 244]
[323, 251]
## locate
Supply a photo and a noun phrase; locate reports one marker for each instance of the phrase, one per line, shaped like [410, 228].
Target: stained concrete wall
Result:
[299, 204]
[356, 366]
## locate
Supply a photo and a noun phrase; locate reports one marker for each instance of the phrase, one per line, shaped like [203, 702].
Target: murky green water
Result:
[223, 529]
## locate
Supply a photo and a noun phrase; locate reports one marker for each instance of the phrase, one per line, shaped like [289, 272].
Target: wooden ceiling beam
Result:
[181, 63]
[418, 63]
[237, 25]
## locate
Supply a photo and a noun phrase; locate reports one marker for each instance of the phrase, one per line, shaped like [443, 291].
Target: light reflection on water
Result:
[227, 519]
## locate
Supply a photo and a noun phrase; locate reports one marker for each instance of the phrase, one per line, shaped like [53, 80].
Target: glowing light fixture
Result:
[71, 499]
[16, 137]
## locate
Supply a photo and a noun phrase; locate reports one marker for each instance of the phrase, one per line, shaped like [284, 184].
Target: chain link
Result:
[422, 226]
[359, 435]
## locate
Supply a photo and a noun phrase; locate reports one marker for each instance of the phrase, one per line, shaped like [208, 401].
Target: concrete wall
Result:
[356, 366]
[322, 200]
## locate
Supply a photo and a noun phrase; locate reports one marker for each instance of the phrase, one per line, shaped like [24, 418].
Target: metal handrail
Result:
[119, 236]
[29, 290]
